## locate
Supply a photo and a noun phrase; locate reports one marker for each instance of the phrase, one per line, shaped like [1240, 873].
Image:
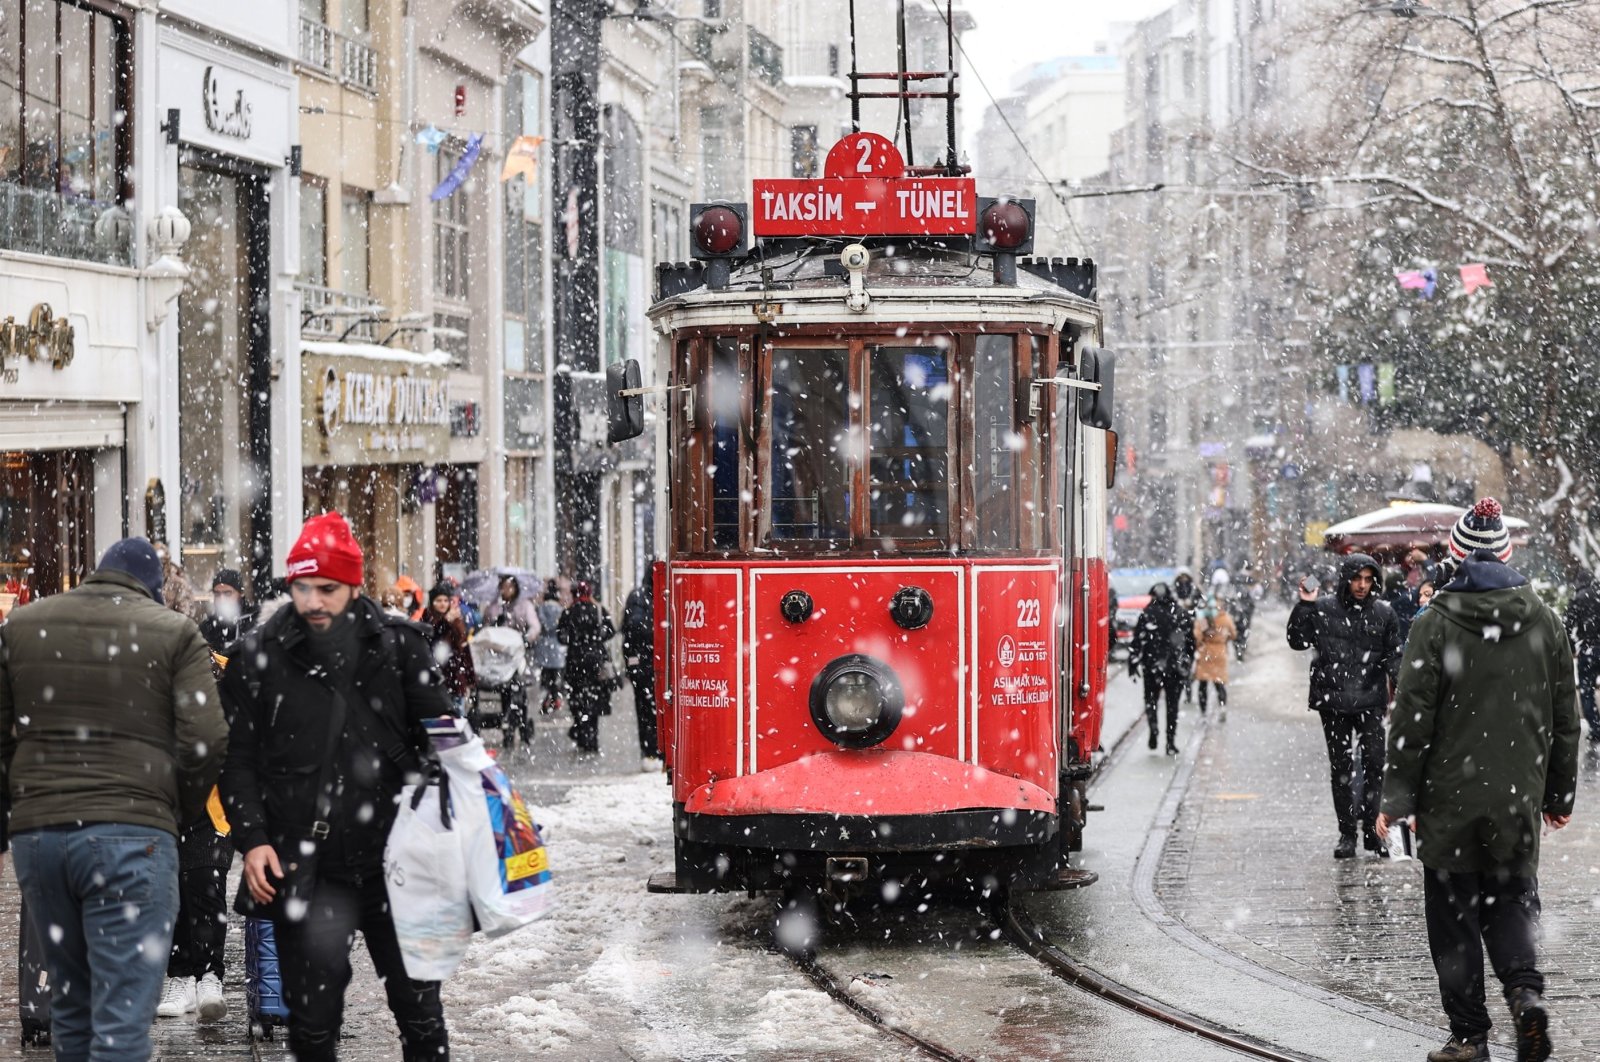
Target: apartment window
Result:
[65, 93]
[803, 151]
[452, 333]
[523, 331]
[450, 235]
[313, 231]
[668, 236]
[356, 22]
[355, 240]
[315, 10]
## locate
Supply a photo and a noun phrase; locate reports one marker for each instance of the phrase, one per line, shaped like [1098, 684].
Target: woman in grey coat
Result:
[549, 654]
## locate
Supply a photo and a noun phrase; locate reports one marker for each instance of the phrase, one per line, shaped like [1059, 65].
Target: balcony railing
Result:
[316, 45]
[815, 60]
[358, 64]
[766, 57]
[44, 221]
[321, 46]
[328, 313]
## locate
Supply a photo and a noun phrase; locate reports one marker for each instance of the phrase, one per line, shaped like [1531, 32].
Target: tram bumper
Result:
[907, 812]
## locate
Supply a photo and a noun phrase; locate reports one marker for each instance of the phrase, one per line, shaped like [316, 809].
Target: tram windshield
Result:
[810, 489]
[835, 444]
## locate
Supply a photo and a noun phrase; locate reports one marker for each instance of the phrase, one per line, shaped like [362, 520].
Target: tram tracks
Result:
[1021, 932]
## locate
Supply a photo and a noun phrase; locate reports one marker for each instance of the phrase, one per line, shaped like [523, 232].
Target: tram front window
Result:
[810, 444]
[997, 441]
[910, 440]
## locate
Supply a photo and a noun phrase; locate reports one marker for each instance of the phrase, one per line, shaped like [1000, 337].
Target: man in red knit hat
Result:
[326, 702]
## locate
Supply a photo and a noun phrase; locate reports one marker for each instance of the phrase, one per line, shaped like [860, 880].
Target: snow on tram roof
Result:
[894, 273]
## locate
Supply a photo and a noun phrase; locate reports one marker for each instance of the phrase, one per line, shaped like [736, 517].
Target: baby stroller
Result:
[499, 656]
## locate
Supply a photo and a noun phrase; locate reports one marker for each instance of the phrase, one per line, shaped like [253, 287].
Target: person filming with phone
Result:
[1356, 639]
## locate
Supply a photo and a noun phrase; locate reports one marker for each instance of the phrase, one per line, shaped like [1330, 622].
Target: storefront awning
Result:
[373, 352]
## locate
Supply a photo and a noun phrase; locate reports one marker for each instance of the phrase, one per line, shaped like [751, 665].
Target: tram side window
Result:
[997, 441]
[726, 401]
[810, 427]
[910, 440]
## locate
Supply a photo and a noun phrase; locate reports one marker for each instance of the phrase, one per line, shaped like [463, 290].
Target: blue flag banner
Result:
[458, 173]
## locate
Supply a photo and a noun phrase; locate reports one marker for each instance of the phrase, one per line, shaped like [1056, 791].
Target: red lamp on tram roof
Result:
[718, 229]
[1005, 226]
[717, 234]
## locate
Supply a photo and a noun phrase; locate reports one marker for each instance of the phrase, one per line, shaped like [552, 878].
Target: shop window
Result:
[910, 442]
[46, 523]
[313, 231]
[451, 244]
[810, 430]
[65, 92]
[355, 241]
[996, 441]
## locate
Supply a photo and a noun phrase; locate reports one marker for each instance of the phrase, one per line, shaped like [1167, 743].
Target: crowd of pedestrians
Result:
[146, 738]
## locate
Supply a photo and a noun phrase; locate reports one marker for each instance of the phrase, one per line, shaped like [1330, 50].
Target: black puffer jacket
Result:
[1163, 640]
[1582, 618]
[586, 628]
[1357, 644]
[278, 702]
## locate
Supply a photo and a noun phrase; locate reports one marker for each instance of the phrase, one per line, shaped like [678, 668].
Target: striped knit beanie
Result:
[1481, 528]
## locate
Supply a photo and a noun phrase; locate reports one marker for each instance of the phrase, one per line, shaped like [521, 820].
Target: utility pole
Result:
[575, 119]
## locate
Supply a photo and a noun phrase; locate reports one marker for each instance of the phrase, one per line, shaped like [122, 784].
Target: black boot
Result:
[1459, 1050]
[1153, 739]
[1533, 1025]
[1374, 844]
[1346, 848]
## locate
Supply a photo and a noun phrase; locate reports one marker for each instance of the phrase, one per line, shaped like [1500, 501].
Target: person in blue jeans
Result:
[111, 734]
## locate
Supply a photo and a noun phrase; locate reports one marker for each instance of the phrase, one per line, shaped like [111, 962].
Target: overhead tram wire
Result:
[1066, 204]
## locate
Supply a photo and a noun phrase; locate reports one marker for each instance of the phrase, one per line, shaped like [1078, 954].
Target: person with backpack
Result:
[585, 627]
[326, 702]
[1162, 655]
[549, 654]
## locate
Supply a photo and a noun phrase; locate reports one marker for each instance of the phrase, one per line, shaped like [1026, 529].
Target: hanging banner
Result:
[458, 173]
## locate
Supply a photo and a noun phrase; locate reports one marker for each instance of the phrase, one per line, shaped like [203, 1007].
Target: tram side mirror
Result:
[624, 403]
[1094, 407]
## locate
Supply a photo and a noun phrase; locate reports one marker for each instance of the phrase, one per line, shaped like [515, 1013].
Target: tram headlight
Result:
[856, 701]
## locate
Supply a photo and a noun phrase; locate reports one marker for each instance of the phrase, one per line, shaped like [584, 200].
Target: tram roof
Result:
[929, 284]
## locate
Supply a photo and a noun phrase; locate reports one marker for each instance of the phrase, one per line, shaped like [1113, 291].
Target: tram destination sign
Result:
[864, 191]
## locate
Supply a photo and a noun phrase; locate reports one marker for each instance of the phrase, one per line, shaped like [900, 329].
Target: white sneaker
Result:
[177, 998]
[208, 996]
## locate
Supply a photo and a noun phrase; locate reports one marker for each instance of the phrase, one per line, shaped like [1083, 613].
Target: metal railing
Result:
[814, 60]
[766, 57]
[322, 45]
[358, 64]
[44, 221]
[316, 45]
[328, 313]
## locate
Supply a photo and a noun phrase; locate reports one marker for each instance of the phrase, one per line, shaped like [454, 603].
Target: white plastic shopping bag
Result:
[427, 888]
[1401, 841]
[507, 870]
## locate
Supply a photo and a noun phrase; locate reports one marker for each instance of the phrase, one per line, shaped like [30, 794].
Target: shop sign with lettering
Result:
[41, 337]
[373, 412]
[864, 191]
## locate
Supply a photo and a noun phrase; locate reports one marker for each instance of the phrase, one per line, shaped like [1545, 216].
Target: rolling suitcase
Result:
[33, 986]
[263, 981]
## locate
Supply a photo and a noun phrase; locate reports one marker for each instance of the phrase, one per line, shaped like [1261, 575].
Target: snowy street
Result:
[1217, 897]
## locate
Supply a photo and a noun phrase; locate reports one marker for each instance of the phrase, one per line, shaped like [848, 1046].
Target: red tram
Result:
[884, 458]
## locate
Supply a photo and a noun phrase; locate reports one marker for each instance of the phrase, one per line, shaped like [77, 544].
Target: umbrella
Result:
[1389, 534]
[482, 587]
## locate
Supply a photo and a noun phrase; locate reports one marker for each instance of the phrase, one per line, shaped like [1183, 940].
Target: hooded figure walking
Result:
[1484, 742]
[1357, 641]
[1163, 649]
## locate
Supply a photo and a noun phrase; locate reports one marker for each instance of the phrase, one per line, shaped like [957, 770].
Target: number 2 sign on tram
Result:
[864, 191]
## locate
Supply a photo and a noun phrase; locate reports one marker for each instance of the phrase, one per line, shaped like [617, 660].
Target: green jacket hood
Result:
[1494, 615]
